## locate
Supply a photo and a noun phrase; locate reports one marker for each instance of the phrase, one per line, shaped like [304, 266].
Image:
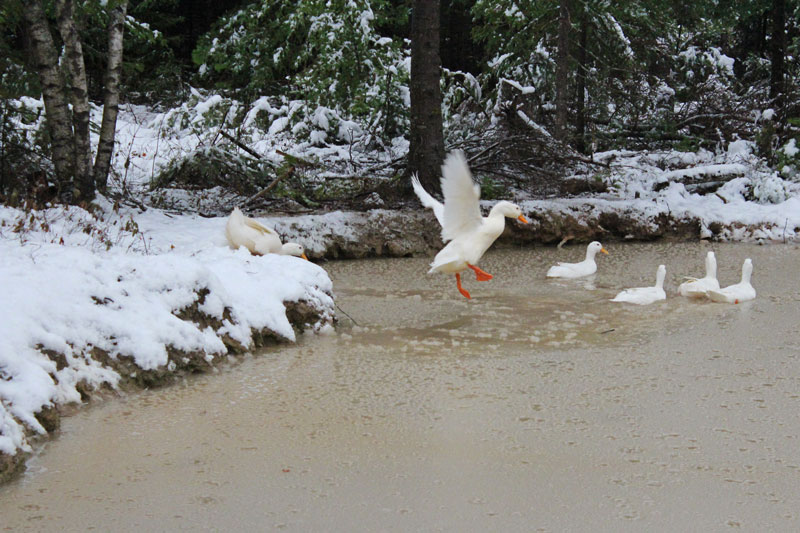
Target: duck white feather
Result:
[586, 267]
[697, 288]
[259, 239]
[738, 292]
[645, 295]
[427, 200]
[468, 234]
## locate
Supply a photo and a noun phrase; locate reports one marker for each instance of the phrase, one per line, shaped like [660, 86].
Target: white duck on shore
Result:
[467, 234]
[259, 239]
[697, 288]
[645, 295]
[738, 292]
[586, 267]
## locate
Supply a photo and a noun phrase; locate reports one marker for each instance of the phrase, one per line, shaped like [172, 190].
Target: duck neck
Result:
[660, 279]
[711, 268]
[495, 213]
[746, 271]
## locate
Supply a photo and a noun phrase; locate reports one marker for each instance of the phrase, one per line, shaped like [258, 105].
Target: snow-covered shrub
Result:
[769, 189]
[788, 159]
[21, 145]
[325, 53]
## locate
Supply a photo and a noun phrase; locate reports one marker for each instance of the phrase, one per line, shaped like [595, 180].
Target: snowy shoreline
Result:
[93, 300]
[97, 301]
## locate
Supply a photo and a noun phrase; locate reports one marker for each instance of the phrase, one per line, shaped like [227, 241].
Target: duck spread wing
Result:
[461, 213]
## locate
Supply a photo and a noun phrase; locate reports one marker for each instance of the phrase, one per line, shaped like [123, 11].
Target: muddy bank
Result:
[301, 314]
[403, 233]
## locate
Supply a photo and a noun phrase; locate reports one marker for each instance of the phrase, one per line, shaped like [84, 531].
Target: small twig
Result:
[295, 160]
[345, 314]
[269, 187]
[606, 331]
[155, 155]
[784, 230]
[222, 124]
[238, 143]
[564, 241]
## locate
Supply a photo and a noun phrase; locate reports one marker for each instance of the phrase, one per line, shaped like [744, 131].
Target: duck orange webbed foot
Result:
[461, 289]
[480, 275]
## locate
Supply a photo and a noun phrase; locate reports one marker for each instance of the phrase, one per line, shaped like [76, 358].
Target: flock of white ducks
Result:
[468, 235]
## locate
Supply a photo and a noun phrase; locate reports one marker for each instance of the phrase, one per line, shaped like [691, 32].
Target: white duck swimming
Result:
[739, 292]
[259, 239]
[697, 288]
[578, 270]
[645, 295]
[469, 234]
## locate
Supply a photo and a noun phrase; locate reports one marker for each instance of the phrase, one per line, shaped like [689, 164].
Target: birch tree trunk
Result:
[54, 93]
[562, 69]
[426, 150]
[105, 147]
[79, 96]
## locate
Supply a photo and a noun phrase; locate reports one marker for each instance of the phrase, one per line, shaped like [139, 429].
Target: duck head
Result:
[508, 209]
[595, 247]
[292, 248]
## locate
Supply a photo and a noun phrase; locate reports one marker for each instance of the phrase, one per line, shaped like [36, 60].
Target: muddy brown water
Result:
[537, 406]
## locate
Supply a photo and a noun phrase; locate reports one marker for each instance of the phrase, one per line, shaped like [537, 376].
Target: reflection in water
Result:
[538, 405]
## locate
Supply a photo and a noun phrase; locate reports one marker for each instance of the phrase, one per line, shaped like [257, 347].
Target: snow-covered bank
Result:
[92, 301]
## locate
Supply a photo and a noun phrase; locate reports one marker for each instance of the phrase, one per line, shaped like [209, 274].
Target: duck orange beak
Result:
[522, 219]
[604, 251]
[304, 256]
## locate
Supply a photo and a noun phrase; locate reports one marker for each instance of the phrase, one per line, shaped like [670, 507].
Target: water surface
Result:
[537, 406]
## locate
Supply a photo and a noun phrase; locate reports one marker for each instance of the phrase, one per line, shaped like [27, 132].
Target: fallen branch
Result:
[241, 145]
[273, 183]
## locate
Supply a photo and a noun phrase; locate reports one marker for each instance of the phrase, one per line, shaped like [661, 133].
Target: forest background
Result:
[531, 90]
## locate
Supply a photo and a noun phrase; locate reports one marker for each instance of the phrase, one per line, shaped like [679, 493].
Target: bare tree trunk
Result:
[778, 51]
[79, 95]
[54, 92]
[426, 150]
[105, 147]
[580, 100]
[562, 69]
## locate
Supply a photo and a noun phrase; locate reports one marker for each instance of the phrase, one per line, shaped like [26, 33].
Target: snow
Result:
[790, 149]
[117, 289]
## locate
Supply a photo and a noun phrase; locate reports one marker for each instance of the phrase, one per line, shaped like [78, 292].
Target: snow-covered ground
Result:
[72, 281]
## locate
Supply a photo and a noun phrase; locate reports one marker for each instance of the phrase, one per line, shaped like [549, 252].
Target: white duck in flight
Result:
[467, 234]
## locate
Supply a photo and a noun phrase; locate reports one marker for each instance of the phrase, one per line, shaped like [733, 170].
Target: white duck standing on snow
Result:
[469, 234]
[259, 239]
[645, 295]
[586, 267]
[739, 292]
[697, 288]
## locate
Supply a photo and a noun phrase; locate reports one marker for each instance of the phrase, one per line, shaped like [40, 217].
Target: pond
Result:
[537, 405]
